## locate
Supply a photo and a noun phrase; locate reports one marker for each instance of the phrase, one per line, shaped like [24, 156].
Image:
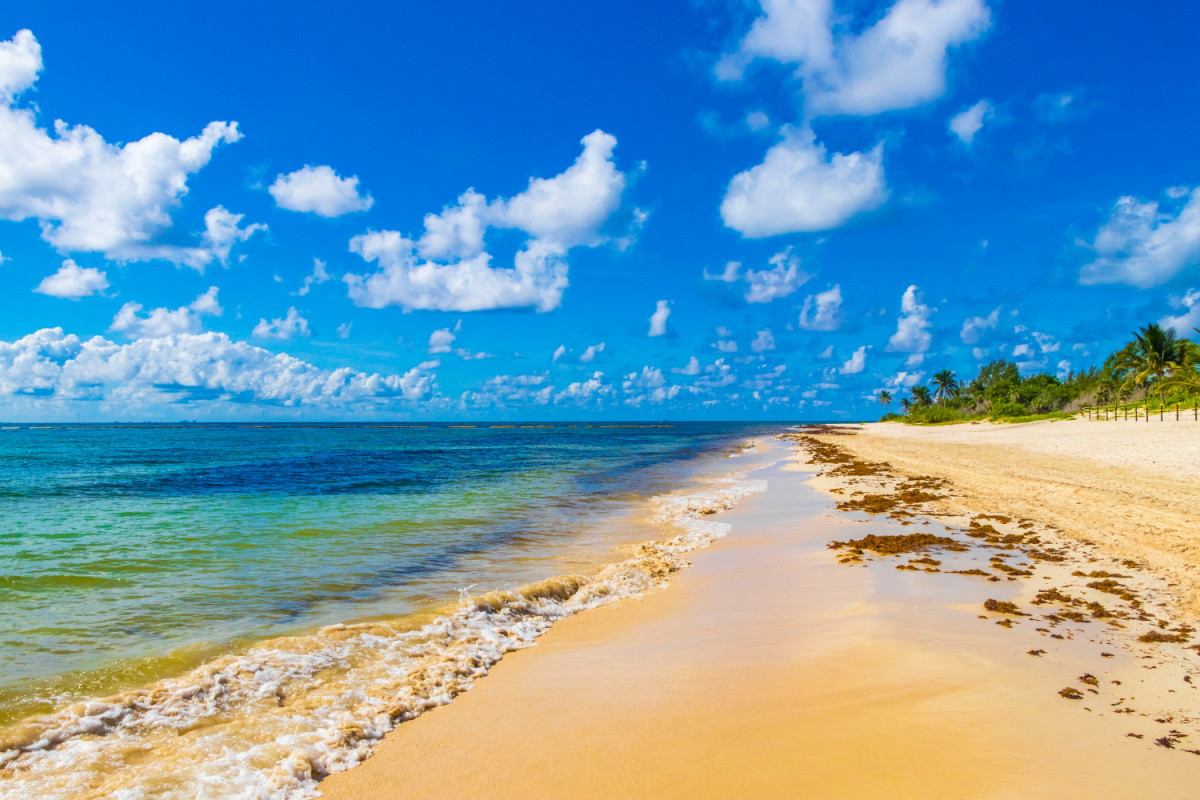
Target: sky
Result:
[482, 211]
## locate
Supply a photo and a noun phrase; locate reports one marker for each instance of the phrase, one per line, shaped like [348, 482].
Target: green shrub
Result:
[929, 414]
[999, 410]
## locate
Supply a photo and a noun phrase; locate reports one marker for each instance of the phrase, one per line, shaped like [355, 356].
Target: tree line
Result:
[1155, 363]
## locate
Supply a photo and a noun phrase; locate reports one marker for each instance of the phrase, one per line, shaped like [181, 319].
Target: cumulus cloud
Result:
[319, 190]
[822, 311]
[343, 330]
[222, 232]
[282, 329]
[581, 392]
[164, 321]
[912, 330]
[440, 340]
[826, 353]
[798, 189]
[318, 277]
[73, 282]
[648, 385]
[725, 345]
[969, 122]
[448, 268]
[559, 352]
[898, 62]
[589, 355]
[658, 320]
[783, 278]
[89, 195]
[905, 380]
[856, 362]
[763, 341]
[692, 367]
[503, 390]
[1188, 319]
[973, 327]
[206, 367]
[1142, 246]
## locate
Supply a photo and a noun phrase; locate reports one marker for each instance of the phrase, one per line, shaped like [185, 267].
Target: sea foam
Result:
[268, 724]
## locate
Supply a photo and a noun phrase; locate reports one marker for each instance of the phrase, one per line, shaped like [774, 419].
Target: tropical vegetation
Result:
[1157, 364]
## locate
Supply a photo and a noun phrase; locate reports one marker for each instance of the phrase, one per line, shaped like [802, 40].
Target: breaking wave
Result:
[269, 723]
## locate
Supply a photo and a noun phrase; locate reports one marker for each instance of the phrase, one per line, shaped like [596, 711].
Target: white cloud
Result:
[440, 340]
[206, 367]
[282, 329]
[1176, 192]
[905, 380]
[343, 330]
[503, 390]
[969, 122]
[897, 62]
[757, 120]
[783, 278]
[763, 341]
[692, 368]
[826, 353]
[557, 214]
[658, 320]
[914, 360]
[89, 195]
[973, 327]
[822, 311]
[912, 334]
[319, 190]
[1046, 342]
[979, 353]
[221, 232]
[163, 321]
[594, 388]
[726, 346]
[1185, 322]
[856, 362]
[1143, 247]
[559, 352]
[729, 275]
[1022, 350]
[318, 277]
[589, 355]
[72, 281]
[648, 385]
[796, 189]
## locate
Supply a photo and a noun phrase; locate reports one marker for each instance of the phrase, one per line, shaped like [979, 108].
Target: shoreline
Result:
[300, 707]
[769, 666]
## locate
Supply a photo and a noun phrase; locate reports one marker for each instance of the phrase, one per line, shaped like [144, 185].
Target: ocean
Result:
[224, 611]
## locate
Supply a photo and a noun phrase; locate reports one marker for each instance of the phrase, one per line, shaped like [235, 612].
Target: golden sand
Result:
[1133, 488]
[769, 669]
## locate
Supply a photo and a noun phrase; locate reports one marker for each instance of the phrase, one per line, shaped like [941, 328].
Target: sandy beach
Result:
[776, 666]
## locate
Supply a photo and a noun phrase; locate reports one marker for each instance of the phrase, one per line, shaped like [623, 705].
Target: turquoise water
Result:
[132, 553]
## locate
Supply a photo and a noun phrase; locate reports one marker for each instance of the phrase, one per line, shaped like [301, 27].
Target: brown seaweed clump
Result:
[1109, 586]
[1089, 679]
[1158, 637]
[1097, 574]
[1002, 607]
[891, 545]
[1071, 693]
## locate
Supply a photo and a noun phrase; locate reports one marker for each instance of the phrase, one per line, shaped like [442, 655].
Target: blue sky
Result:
[548, 210]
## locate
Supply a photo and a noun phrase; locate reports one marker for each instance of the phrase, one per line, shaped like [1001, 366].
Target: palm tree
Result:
[906, 405]
[946, 385]
[885, 399]
[921, 396]
[1186, 374]
[1153, 354]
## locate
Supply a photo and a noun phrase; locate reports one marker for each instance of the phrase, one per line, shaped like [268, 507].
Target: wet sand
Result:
[768, 669]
